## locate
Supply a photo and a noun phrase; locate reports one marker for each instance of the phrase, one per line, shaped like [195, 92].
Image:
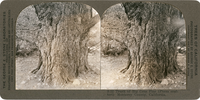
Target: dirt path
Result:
[111, 78]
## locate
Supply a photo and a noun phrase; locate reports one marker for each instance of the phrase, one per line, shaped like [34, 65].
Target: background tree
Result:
[113, 24]
[27, 31]
[62, 40]
[151, 39]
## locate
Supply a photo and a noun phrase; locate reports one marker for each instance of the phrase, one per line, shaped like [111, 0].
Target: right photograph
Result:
[143, 46]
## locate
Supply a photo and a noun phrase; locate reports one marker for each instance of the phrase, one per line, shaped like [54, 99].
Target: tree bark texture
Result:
[152, 41]
[63, 40]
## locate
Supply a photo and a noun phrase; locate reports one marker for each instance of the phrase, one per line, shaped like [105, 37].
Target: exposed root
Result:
[124, 70]
[35, 70]
[129, 63]
[39, 64]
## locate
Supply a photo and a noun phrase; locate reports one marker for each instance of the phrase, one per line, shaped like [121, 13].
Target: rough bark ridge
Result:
[152, 41]
[63, 40]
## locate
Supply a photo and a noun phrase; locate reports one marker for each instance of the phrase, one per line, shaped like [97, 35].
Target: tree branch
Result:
[91, 22]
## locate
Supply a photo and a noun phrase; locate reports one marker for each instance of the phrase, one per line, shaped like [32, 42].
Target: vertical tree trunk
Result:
[63, 43]
[152, 41]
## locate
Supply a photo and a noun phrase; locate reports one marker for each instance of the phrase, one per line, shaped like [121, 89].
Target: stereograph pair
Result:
[133, 45]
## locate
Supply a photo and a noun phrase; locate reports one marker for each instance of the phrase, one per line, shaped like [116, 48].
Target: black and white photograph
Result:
[93, 49]
[143, 46]
[136, 45]
[58, 47]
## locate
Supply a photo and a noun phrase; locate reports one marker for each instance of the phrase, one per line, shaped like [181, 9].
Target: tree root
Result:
[35, 70]
[124, 70]
[128, 64]
[39, 64]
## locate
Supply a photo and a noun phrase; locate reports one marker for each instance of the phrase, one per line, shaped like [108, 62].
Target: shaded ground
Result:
[26, 80]
[111, 78]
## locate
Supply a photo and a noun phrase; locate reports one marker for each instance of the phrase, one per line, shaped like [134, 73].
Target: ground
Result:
[26, 80]
[112, 78]
[110, 75]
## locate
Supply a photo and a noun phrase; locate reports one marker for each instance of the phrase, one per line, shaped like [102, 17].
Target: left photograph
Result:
[58, 47]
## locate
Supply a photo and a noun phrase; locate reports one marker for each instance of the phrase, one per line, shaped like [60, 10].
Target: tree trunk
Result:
[63, 42]
[152, 41]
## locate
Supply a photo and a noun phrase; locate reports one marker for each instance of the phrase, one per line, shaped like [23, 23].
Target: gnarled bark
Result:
[63, 40]
[152, 41]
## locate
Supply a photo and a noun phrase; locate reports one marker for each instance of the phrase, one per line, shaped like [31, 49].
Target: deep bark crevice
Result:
[154, 50]
[64, 50]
